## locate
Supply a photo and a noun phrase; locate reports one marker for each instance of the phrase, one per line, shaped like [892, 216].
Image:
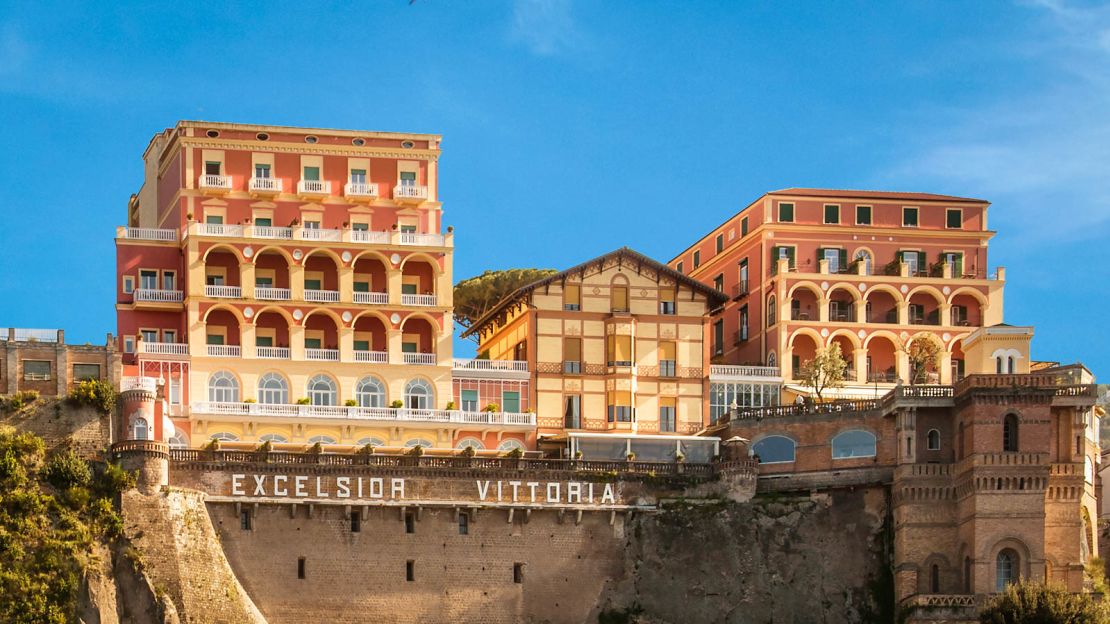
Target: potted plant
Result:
[397, 404]
[680, 458]
[304, 401]
[249, 401]
[493, 407]
[451, 406]
[631, 456]
[350, 403]
[416, 451]
[468, 452]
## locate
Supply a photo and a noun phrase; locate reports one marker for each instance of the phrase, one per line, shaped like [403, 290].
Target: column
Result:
[903, 313]
[197, 331]
[945, 367]
[860, 362]
[246, 279]
[346, 284]
[296, 342]
[944, 311]
[444, 287]
[393, 345]
[902, 367]
[861, 311]
[247, 340]
[346, 344]
[393, 285]
[296, 281]
[823, 309]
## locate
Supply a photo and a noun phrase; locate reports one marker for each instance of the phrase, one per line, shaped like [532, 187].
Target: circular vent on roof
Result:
[262, 136]
[358, 142]
[213, 134]
[407, 144]
[310, 139]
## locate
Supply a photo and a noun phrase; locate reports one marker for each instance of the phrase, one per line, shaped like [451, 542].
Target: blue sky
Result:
[571, 128]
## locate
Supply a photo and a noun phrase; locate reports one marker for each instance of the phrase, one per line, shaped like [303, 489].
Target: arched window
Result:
[322, 391]
[370, 392]
[771, 310]
[223, 387]
[933, 440]
[224, 436]
[273, 389]
[419, 395]
[934, 579]
[140, 430]
[511, 444]
[1010, 433]
[273, 438]
[1010, 367]
[473, 443]
[371, 442]
[179, 441]
[321, 439]
[864, 257]
[772, 361]
[998, 365]
[774, 449]
[421, 442]
[1005, 569]
[854, 443]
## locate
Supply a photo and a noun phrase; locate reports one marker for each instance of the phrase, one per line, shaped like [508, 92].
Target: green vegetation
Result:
[1036, 603]
[475, 296]
[53, 509]
[18, 401]
[824, 371]
[924, 355]
[98, 393]
[620, 616]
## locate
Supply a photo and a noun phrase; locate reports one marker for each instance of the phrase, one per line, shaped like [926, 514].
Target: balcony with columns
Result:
[342, 414]
[297, 232]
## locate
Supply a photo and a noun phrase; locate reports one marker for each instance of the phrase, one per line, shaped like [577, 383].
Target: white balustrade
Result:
[366, 236]
[151, 234]
[265, 185]
[24, 334]
[272, 353]
[426, 240]
[410, 191]
[214, 181]
[223, 292]
[518, 366]
[314, 187]
[321, 234]
[371, 297]
[360, 189]
[718, 370]
[321, 296]
[323, 355]
[266, 231]
[155, 295]
[220, 229]
[224, 350]
[365, 413]
[418, 300]
[163, 348]
[273, 294]
[425, 359]
[372, 357]
[149, 384]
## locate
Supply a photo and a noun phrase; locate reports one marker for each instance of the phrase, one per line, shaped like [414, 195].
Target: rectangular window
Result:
[313, 284]
[410, 523]
[212, 167]
[312, 343]
[262, 341]
[832, 214]
[408, 289]
[82, 372]
[407, 178]
[954, 218]
[720, 243]
[407, 229]
[214, 280]
[572, 356]
[742, 284]
[261, 170]
[169, 280]
[678, 268]
[956, 261]
[311, 225]
[148, 280]
[356, 521]
[786, 213]
[360, 227]
[510, 402]
[311, 174]
[36, 370]
[362, 345]
[909, 217]
[667, 359]
[358, 176]
[572, 411]
[169, 336]
[666, 415]
[149, 335]
[128, 344]
[744, 226]
[410, 570]
[361, 286]
[742, 332]
[619, 406]
[245, 520]
[619, 350]
[618, 299]
[409, 347]
[863, 215]
[666, 302]
[833, 258]
[300, 568]
[697, 259]
[128, 284]
[264, 222]
[464, 523]
[778, 253]
[719, 283]
[214, 219]
[719, 337]
[518, 573]
[572, 297]
[469, 399]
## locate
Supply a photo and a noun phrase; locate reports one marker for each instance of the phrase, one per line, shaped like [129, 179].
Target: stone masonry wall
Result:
[57, 421]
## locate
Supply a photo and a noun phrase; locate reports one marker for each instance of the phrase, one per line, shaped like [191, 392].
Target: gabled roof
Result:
[848, 193]
[627, 257]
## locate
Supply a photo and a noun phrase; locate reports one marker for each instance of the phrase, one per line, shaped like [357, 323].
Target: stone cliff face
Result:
[824, 559]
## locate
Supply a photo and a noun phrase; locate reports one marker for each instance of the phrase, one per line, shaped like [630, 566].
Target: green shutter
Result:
[922, 261]
[510, 402]
[843, 259]
[790, 255]
[958, 269]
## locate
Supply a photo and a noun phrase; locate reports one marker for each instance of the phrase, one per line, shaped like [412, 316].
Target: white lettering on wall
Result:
[376, 487]
[282, 479]
[299, 483]
[574, 492]
[259, 480]
[516, 486]
[608, 495]
[237, 485]
[320, 493]
[555, 497]
[343, 485]
[483, 489]
[397, 488]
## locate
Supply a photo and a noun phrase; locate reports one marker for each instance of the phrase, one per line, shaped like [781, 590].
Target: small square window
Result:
[697, 259]
[954, 218]
[410, 570]
[128, 344]
[356, 521]
[410, 523]
[678, 267]
[518, 573]
[300, 568]
[720, 243]
[212, 168]
[832, 214]
[863, 215]
[909, 217]
[128, 284]
[744, 226]
[464, 523]
[786, 213]
[245, 522]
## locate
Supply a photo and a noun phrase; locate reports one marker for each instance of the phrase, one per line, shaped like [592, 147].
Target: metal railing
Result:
[491, 365]
[223, 350]
[360, 189]
[323, 355]
[223, 292]
[365, 413]
[155, 295]
[372, 357]
[24, 334]
[371, 297]
[418, 300]
[151, 234]
[722, 370]
[424, 359]
[273, 294]
[265, 185]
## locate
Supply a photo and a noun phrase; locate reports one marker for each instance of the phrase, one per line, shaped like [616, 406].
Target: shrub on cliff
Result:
[18, 401]
[51, 514]
[1037, 603]
[97, 393]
